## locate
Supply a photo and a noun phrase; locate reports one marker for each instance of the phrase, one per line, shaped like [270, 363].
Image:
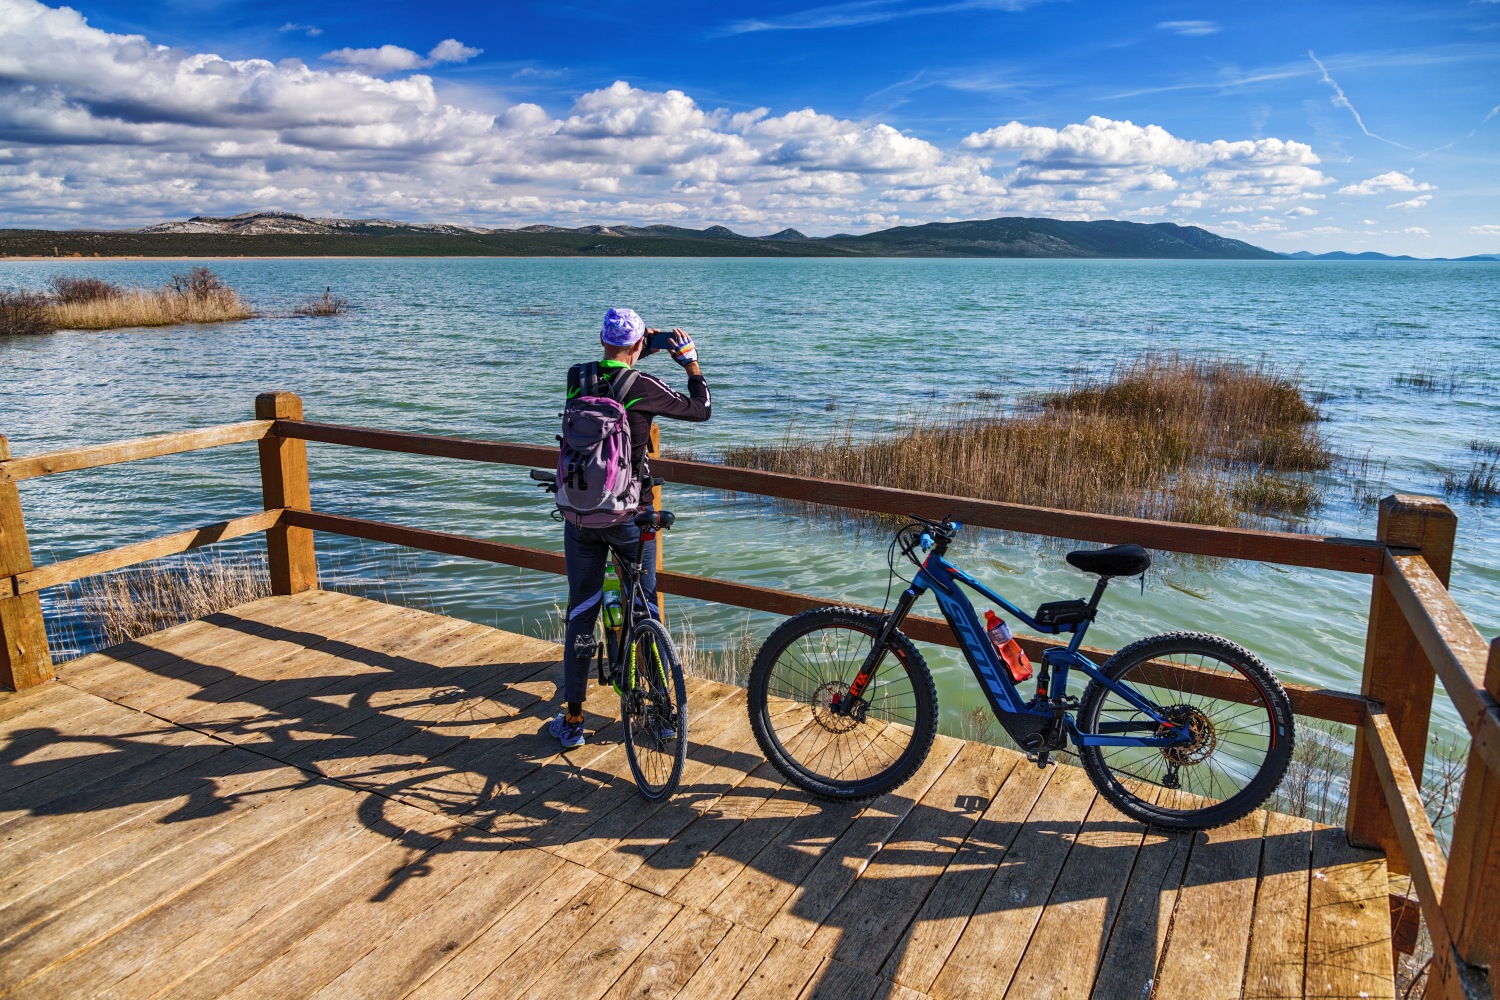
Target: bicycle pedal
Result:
[1041, 758]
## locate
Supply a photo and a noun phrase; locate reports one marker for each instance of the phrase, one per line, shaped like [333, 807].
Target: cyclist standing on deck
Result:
[624, 337]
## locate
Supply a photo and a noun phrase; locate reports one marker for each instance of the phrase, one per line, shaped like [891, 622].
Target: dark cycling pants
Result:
[586, 550]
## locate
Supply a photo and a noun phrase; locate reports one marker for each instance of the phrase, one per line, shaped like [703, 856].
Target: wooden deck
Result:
[326, 796]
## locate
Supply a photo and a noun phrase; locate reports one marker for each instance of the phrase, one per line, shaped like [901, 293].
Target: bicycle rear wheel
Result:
[653, 708]
[797, 683]
[1240, 746]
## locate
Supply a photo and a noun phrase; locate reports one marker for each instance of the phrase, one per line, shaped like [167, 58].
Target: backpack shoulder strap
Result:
[620, 388]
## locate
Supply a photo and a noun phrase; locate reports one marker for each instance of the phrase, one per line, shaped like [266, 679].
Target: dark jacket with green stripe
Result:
[649, 398]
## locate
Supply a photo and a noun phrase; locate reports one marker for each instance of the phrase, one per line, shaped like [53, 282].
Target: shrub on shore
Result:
[25, 313]
[327, 304]
[1163, 436]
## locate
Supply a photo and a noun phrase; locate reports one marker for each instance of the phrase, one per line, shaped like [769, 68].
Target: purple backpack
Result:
[597, 486]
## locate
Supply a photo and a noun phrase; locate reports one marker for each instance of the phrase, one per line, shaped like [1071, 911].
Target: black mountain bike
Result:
[639, 660]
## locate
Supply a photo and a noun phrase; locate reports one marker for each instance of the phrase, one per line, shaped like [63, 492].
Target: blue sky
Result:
[1294, 126]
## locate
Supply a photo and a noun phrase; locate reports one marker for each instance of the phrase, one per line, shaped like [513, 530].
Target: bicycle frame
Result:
[1023, 720]
[632, 595]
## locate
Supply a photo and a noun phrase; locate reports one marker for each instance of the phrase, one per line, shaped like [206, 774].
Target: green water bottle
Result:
[614, 611]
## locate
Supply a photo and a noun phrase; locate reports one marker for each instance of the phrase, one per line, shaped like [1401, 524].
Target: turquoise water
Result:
[478, 347]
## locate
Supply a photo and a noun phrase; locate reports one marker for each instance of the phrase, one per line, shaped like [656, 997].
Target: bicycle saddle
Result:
[651, 520]
[1117, 560]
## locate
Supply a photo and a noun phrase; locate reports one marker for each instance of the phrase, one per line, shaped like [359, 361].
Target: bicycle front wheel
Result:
[1235, 710]
[653, 708]
[798, 684]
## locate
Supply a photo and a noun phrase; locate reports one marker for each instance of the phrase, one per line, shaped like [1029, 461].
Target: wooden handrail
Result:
[1455, 648]
[1318, 703]
[1347, 555]
[69, 570]
[94, 456]
[1419, 843]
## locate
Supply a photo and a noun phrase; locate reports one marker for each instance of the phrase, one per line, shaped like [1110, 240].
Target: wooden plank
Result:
[783, 973]
[69, 570]
[366, 924]
[93, 456]
[423, 944]
[1210, 935]
[25, 660]
[1276, 964]
[61, 743]
[877, 909]
[1288, 548]
[182, 807]
[167, 942]
[733, 961]
[1067, 946]
[1348, 921]
[625, 932]
[919, 957]
[560, 937]
[1424, 855]
[837, 980]
[363, 867]
[170, 873]
[1139, 936]
[489, 950]
[812, 898]
[986, 956]
[283, 482]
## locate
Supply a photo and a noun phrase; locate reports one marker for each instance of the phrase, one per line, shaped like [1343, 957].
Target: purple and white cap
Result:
[622, 327]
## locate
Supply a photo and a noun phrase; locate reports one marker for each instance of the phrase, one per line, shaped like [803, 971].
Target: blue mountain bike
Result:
[1183, 730]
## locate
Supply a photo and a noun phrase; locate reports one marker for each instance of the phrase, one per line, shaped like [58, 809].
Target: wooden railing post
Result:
[25, 660]
[1471, 894]
[283, 482]
[653, 450]
[1397, 672]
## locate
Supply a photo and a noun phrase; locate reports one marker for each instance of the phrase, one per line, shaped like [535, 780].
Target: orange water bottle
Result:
[1007, 647]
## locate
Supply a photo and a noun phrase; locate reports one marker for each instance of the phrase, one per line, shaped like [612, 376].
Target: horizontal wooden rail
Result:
[1348, 555]
[129, 555]
[1419, 843]
[93, 456]
[1456, 650]
[1335, 706]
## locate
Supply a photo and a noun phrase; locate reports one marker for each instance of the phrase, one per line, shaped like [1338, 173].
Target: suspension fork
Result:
[878, 649]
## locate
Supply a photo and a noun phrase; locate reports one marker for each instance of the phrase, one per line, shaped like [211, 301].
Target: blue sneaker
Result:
[569, 734]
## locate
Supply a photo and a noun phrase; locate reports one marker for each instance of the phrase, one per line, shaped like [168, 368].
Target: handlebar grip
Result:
[926, 540]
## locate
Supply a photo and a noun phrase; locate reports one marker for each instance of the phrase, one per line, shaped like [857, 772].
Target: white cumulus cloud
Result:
[1418, 202]
[1190, 28]
[395, 59]
[1485, 230]
[1393, 180]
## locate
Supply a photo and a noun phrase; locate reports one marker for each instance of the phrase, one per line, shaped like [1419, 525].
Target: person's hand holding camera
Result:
[684, 351]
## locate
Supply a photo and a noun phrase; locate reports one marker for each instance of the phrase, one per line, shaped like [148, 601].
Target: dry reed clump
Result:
[1480, 483]
[24, 313]
[198, 296]
[327, 304]
[144, 599]
[1163, 436]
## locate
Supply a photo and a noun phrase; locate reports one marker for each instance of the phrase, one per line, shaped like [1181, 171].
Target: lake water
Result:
[478, 348]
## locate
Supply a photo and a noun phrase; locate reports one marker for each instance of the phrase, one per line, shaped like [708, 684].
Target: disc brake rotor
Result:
[1202, 741]
[826, 702]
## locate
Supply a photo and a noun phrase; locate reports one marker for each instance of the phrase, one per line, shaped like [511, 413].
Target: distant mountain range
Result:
[288, 234]
[1372, 255]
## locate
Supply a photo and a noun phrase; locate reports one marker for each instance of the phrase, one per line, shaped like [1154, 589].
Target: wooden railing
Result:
[1417, 634]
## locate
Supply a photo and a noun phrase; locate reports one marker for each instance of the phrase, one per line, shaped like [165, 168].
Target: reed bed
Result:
[124, 605]
[1162, 436]
[327, 304]
[195, 297]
